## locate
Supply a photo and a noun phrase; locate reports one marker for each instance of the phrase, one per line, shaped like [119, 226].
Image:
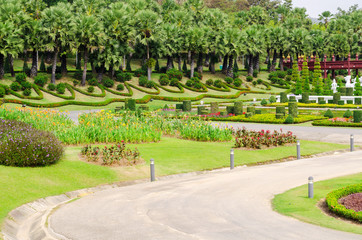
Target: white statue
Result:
[348, 81]
[334, 86]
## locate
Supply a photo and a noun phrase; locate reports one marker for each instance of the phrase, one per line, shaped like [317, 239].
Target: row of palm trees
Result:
[107, 31]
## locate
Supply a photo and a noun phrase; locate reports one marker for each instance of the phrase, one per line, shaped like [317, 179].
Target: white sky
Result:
[315, 7]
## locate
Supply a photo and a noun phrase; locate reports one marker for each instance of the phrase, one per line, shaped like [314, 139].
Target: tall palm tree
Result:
[57, 21]
[325, 16]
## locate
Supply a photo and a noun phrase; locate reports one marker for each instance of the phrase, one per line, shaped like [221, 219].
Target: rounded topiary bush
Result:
[209, 82]
[40, 80]
[218, 83]
[328, 114]
[90, 89]
[93, 82]
[25, 85]
[174, 82]
[124, 76]
[237, 82]
[22, 145]
[27, 92]
[174, 73]
[142, 81]
[120, 87]
[289, 120]
[249, 78]
[20, 77]
[264, 102]
[107, 82]
[51, 86]
[60, 88]
[15, 86]
[347, 114]
[229, 80]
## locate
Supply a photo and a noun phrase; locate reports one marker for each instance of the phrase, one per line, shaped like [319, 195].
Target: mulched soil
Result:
[352, 201]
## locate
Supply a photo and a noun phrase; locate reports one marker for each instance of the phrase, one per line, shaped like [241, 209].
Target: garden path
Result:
[217, 205]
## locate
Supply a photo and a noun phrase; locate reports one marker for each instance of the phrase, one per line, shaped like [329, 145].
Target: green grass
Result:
[295, 203]
[172, 156]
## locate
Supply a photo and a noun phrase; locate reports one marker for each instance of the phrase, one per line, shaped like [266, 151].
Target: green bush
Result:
[123, 76]
[51, 86]
[293, 109]
[292, 99]
[328, 114]
[150, 84]
[229, 80]
[58, 76]
[218, 83]
[27, 92]
[130, 104]
[280, 110]
[142, 81]
[334, 205]
[254, 83]
[120, 87]
[41, 80]
[107, 82]
[290, 71]
[15, 86]
[164, 81]
[357, 116]
[357, 101]
[272, 99]
[237, 82]
[27, 147]
[283, 97]
[60, 88]
[189, 83]
[140, 72]
[209, 82]
[305, 97]
[2, 92]
[186, 106]
[336, 97]
[264, 102]
[164, 76]
[198, 85]
[174, 73]
[259, 81]
[281, 74]
[340, 102]
[249, 78]
[255, 74]
[238, 108]
[289, 119]
[174, 82]
[349, 91]
[93, 82]
[25, 85]
[347, 114]
[20, 77]
[90, 89]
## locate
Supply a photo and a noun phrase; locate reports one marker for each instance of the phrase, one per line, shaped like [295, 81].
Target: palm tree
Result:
[279, 39]
[147, 24]
[254, 46]
[325, 17]
[89, 36]
[57, 21]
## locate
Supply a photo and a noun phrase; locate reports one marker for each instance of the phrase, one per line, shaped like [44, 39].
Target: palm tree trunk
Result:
[169, 62]
[85, 67]
[200, 66]
[257, 62]
[179, 61]
[34, 64]
[192, 65]
[207, 60]
[11, 63]
[94, 71]
[212, 63]
[274, 62]
[281, 61]
[54, 67]
[230, 66]
[100, 72]
[2, 72]
[111, 71]
[225, 64]
[251, 65]
[149, 70]
[63, 66]
[267, 56]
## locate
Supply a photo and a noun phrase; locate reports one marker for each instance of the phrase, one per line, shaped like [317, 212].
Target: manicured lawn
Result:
[295, 203]
[172, 156]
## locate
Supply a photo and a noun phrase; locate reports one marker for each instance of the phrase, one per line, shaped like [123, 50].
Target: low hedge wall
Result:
[103, 94]
[129, 94]
[35, 87]
[70, 89]
[333, 205]
[237, 88]
[225, 89]
[204, 89]
[182, 90]
[326, 122]
[315, 105]
[144, 90]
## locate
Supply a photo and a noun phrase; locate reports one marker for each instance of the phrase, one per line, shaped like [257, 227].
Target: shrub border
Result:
[146, 91]
[103, 94]
[333, 205]
[68, 86]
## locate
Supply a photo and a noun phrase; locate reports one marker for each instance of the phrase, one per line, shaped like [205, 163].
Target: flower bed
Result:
[334, 206]
[256, 140]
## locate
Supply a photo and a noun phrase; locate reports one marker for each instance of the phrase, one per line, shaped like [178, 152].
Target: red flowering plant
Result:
[218, 115]
[339, 119]
[257, 139]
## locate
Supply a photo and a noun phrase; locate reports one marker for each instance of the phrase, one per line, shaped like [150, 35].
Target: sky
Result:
[316, 7]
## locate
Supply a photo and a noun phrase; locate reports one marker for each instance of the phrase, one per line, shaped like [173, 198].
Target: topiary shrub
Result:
[292, 99]
[189, 83]
[27, 146]
[123, 77]
[347, 114]
[20, 77]
[237, 82]
[263, 102]
[209, 82]
[90, 89]
[51, 87]
[107, 82]
[41, 80]
[289, 120]
[283, 97]
[164, 80]
[229, 80]
[357, 116]
[93, 82]
[249, 78]
[130, 104]
[2, 92]
[281, 74]
[174, 82]
[214, 107]
[218, 83]
[293, 109]
[230, 109]
[25, 85]
[150, 84]
[186, 106]
[60, 88]
[272, 99]
[349, 91]
[259, 81]
[305, 97]
[254, 83]
[27, 92]
[349, 101]
[198, 85]
[238, 108]
[255, 74]
[15, 86]
[120, 87]
[328, 114]
[357, 101]
[336, 97]
[340, 102]
[140, 72]
[142, 81]
[198, 75]
[174, 73]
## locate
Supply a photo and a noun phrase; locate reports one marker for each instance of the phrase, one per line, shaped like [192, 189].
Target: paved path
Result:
[219, 205]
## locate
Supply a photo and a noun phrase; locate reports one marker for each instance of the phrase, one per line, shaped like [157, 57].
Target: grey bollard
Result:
[152, 167]
[310, 187]
[352, 143]
[231, 159]
[298, 149]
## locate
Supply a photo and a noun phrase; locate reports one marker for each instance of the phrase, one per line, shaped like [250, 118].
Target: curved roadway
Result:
[219, 205]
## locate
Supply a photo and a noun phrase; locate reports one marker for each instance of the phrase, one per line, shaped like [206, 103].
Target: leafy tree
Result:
[325, 17]
[357, 87]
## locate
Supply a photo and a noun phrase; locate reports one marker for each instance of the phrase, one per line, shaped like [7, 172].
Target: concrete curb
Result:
[29, 221]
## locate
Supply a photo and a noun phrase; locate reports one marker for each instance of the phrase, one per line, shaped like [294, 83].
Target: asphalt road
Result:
[219, 205]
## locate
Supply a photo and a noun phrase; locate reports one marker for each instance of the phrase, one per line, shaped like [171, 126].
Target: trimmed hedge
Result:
[333, 205]
[182, 90]
[327, 122]
[129, 94]
[69, 87]
[203, 89]
[146, 91]
[35, 87]
[103, 94]
[357, 116]
[293, 109]
[283, 97]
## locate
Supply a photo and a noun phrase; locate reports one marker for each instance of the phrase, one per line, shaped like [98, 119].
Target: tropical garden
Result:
[160, 73]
